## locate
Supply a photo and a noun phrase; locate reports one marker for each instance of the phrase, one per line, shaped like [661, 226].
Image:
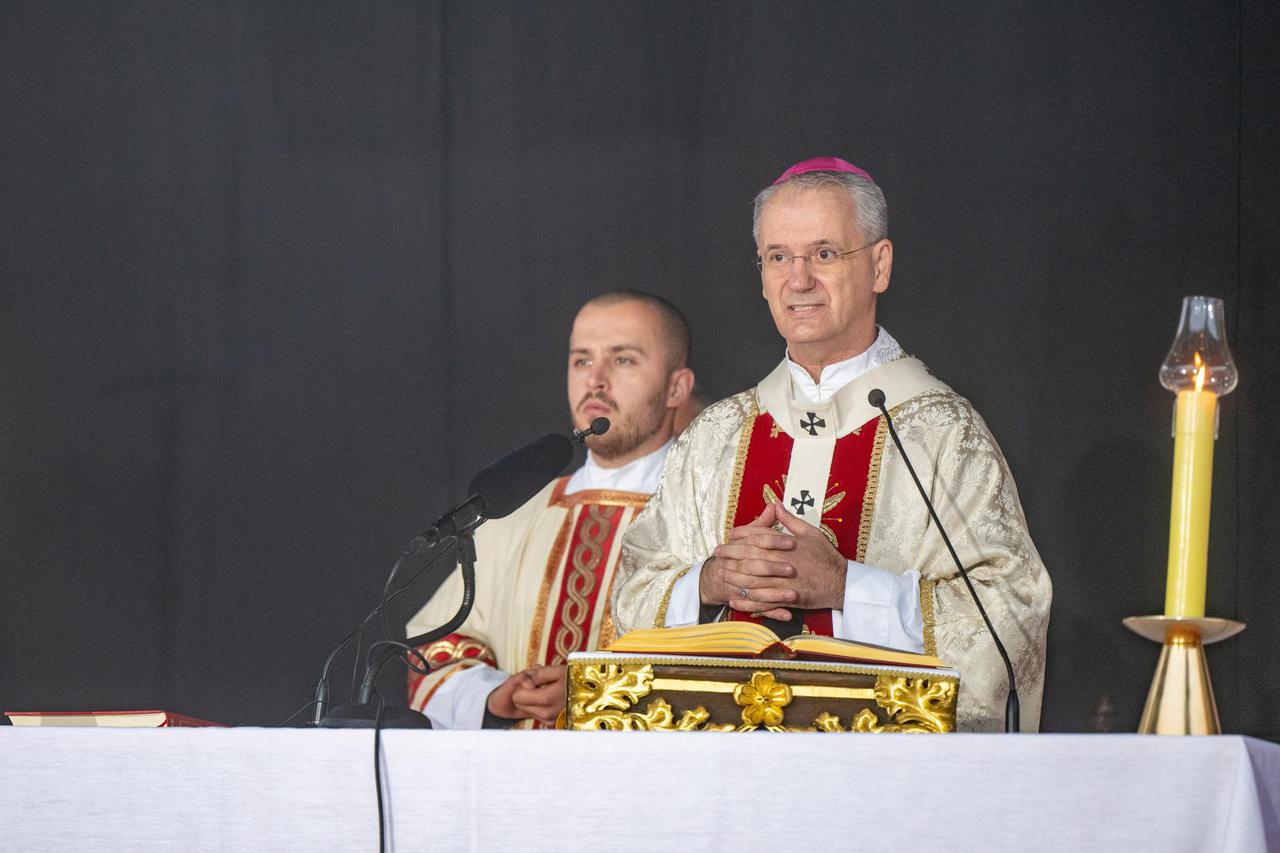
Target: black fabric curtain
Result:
[279, 277]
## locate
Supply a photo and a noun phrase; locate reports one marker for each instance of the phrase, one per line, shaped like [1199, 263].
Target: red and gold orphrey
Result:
[576, 586]
[579, 573]
[764, 457]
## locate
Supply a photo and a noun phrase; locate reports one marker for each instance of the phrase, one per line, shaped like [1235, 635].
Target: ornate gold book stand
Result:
[628, 692]
[1180, 701]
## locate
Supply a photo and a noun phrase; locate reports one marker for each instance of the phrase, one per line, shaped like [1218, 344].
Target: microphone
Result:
[1012, 717]
[502, 487]
[505, 485]
[599, 426]
[498, 490]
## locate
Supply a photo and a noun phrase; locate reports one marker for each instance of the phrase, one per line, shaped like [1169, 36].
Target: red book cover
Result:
[107, 719]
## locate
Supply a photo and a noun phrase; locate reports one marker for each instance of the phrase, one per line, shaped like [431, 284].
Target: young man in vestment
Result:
[786, 502]
[545, 572]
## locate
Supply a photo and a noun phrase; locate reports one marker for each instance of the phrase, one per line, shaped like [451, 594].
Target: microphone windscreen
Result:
[876, 398]
[506, 484]
[600, 426]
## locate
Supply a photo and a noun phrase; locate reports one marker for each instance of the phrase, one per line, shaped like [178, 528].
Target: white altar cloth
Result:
[292, 789]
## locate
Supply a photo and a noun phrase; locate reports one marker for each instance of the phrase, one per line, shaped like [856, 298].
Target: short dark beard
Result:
[623, 438]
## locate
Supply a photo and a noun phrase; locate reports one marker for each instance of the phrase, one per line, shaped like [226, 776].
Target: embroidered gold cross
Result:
[830, 503]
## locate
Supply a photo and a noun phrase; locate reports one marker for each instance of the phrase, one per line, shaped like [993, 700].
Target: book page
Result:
[715, 638]
[816, 644]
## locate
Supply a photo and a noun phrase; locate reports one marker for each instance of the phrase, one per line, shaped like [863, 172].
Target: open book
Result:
[751, 639]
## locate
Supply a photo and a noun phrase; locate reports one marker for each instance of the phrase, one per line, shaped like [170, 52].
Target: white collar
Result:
[640, 475]
[835, 376]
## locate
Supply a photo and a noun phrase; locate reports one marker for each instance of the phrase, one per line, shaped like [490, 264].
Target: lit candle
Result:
[1193, 431]
[1200, 370]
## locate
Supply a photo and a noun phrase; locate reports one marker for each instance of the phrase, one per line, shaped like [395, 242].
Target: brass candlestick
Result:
[1180, 701]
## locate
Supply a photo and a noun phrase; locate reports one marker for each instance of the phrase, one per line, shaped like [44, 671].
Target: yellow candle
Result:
[1189, 515]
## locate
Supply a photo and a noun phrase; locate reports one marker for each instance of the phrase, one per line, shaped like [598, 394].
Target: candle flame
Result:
[1199, 372]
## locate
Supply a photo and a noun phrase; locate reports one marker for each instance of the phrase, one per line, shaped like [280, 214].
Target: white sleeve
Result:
[459, 702]
[880, 607]
[685, 603]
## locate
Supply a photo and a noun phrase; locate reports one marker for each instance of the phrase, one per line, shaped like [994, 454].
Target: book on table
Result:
[741, 676]
[150, 719]
[751, 639]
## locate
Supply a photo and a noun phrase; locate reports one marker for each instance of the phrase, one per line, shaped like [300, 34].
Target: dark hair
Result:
[675, 328]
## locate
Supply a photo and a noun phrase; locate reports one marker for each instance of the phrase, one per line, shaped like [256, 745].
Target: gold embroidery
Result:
[740, 464]
[774, 430]
[544, 594]
[601, 497]
[604, 497]
[660, 621]
[606, 622]
[558, 492]
[457, 650]
[926, 611]
[829, 504]
[873, 486]
[580, 582]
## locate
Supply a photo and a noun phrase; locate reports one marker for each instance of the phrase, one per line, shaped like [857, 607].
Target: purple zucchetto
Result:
[822, 164]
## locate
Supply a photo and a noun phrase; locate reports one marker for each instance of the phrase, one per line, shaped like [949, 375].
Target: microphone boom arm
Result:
[467, 557]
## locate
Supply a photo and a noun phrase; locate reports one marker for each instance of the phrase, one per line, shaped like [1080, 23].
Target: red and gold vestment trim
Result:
[848, 503]
[459, 649]
[582, 581]
[579, 573]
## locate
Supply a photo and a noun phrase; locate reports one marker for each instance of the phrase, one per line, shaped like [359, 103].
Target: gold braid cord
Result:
[603, 696]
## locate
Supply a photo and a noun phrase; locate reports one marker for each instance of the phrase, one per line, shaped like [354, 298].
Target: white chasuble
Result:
[543, 581]
[833, 460]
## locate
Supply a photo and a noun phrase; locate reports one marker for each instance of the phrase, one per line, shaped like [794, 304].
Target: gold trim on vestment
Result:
[926, 614]
[739, 465]
[457, 650]
[873, 486]
[596, 497]
[660, 621]
[606, 622]
[580, 593]
[608, 633]
[604, 497]
[548, 578]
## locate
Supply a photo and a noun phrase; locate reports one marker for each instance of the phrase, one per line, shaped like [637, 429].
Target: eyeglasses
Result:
[778, 262]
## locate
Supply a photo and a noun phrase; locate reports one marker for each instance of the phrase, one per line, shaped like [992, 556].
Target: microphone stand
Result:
[364, 713]
[1012, 715]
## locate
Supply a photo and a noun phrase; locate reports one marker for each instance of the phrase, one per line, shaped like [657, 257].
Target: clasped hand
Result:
[536, 693]
[799, 568]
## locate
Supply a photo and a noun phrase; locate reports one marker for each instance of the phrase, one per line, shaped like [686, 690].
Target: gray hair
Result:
[869, 209]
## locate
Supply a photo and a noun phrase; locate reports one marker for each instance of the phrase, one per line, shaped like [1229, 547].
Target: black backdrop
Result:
[279, 277]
